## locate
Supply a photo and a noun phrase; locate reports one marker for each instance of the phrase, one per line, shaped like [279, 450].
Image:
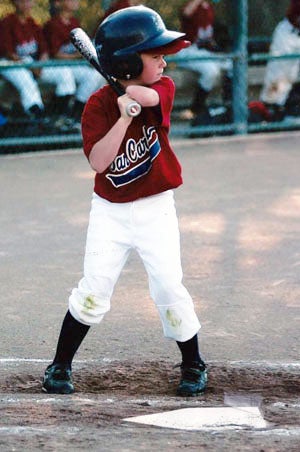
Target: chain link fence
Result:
[233, 106]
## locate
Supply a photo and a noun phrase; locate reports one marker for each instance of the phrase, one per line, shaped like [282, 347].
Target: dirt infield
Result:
[239, 211]
[107, 393]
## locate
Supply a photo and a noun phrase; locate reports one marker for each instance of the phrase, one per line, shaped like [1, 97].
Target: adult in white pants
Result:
[281, 74]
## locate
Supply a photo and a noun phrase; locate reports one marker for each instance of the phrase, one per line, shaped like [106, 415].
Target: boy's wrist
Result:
[125, 120]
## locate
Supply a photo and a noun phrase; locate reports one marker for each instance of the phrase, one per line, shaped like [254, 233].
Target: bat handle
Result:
[133, 109]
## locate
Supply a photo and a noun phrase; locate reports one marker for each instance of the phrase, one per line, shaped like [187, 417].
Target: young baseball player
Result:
[133, 202]
[22, 40]
[82, 80]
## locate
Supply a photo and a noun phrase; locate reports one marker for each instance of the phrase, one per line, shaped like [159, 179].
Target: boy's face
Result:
[23, 6]
[153, 68]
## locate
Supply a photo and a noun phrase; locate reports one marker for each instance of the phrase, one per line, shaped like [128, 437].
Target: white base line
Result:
[21, 430]
[277, 365]
[38, 360]
[41, 399]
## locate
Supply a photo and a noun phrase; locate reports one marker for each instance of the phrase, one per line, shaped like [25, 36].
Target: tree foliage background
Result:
[263, 15]
[91, 11]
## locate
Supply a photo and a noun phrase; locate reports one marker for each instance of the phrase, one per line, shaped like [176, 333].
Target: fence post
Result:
[240, 67]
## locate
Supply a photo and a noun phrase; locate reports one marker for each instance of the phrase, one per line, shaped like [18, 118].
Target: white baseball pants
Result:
[84, 81]
[209, 71]
[149, 226]
[28, 88]
[80, 81]
[281, 74]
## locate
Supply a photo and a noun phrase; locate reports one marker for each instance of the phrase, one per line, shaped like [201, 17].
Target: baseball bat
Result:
[84, 45]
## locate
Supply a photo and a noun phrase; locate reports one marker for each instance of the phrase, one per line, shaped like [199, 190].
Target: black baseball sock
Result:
[77, 109]
[71, 335]
[190, 351]
[60, 105]
[199, 101]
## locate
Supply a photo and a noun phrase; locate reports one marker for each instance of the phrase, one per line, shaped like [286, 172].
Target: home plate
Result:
[205, 418]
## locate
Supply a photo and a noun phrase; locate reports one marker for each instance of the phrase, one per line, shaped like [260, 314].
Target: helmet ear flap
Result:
[126, 67]
[123, 67]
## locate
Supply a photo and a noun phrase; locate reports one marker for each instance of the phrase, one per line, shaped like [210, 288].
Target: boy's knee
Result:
[179, 321]
[88, 308]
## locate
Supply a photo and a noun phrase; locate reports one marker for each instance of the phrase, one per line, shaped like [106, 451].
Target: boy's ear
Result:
[126, 67]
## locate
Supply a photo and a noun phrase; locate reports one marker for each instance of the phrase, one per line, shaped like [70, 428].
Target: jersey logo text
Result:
[139, 153]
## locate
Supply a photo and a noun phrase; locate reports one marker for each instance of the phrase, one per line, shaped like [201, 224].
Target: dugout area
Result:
[250, 26]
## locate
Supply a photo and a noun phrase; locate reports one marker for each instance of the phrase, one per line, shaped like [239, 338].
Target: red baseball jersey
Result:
[145, 164]
[198, 25]
[24, 39]
[293, 13]
[57, 34]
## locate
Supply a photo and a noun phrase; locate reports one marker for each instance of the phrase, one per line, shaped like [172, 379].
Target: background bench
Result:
[185, 80]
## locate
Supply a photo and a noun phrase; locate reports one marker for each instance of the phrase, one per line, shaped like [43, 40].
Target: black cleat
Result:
[193, 380]
[58, 380]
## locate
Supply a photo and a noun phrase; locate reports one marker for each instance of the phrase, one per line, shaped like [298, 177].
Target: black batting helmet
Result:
[125, 33]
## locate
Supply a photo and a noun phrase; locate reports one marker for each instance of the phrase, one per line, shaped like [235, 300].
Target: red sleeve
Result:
[166, 91]
[6, 37]
[51, 36]
[293, 13]
[39, 36]
[1, 40]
